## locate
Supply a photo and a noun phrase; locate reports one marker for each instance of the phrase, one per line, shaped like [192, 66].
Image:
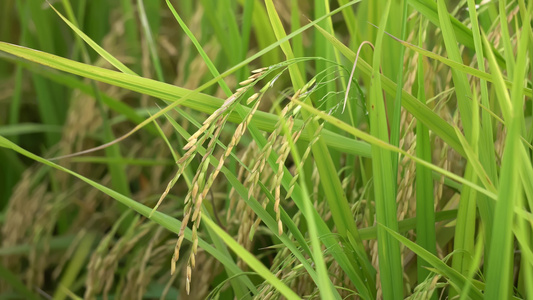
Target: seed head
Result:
[252, 98]
[247, 81]
[260, 70]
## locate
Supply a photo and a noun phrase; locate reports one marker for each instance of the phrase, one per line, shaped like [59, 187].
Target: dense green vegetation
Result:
[266, 149]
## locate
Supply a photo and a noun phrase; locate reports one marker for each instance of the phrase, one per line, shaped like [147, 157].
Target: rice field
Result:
[224, 149]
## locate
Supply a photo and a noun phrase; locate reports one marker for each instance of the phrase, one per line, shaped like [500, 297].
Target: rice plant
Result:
[266, 149]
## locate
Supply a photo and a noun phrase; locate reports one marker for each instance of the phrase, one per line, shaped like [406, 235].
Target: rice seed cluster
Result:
[203, 180]
[285, 130]
[406, 169]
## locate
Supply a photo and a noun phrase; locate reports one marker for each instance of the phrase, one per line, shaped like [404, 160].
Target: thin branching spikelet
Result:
[248, 158]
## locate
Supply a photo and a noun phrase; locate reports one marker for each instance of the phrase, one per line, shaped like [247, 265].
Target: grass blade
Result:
[390, 263]
[425, 213]
[192, 99]
[500, 260]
